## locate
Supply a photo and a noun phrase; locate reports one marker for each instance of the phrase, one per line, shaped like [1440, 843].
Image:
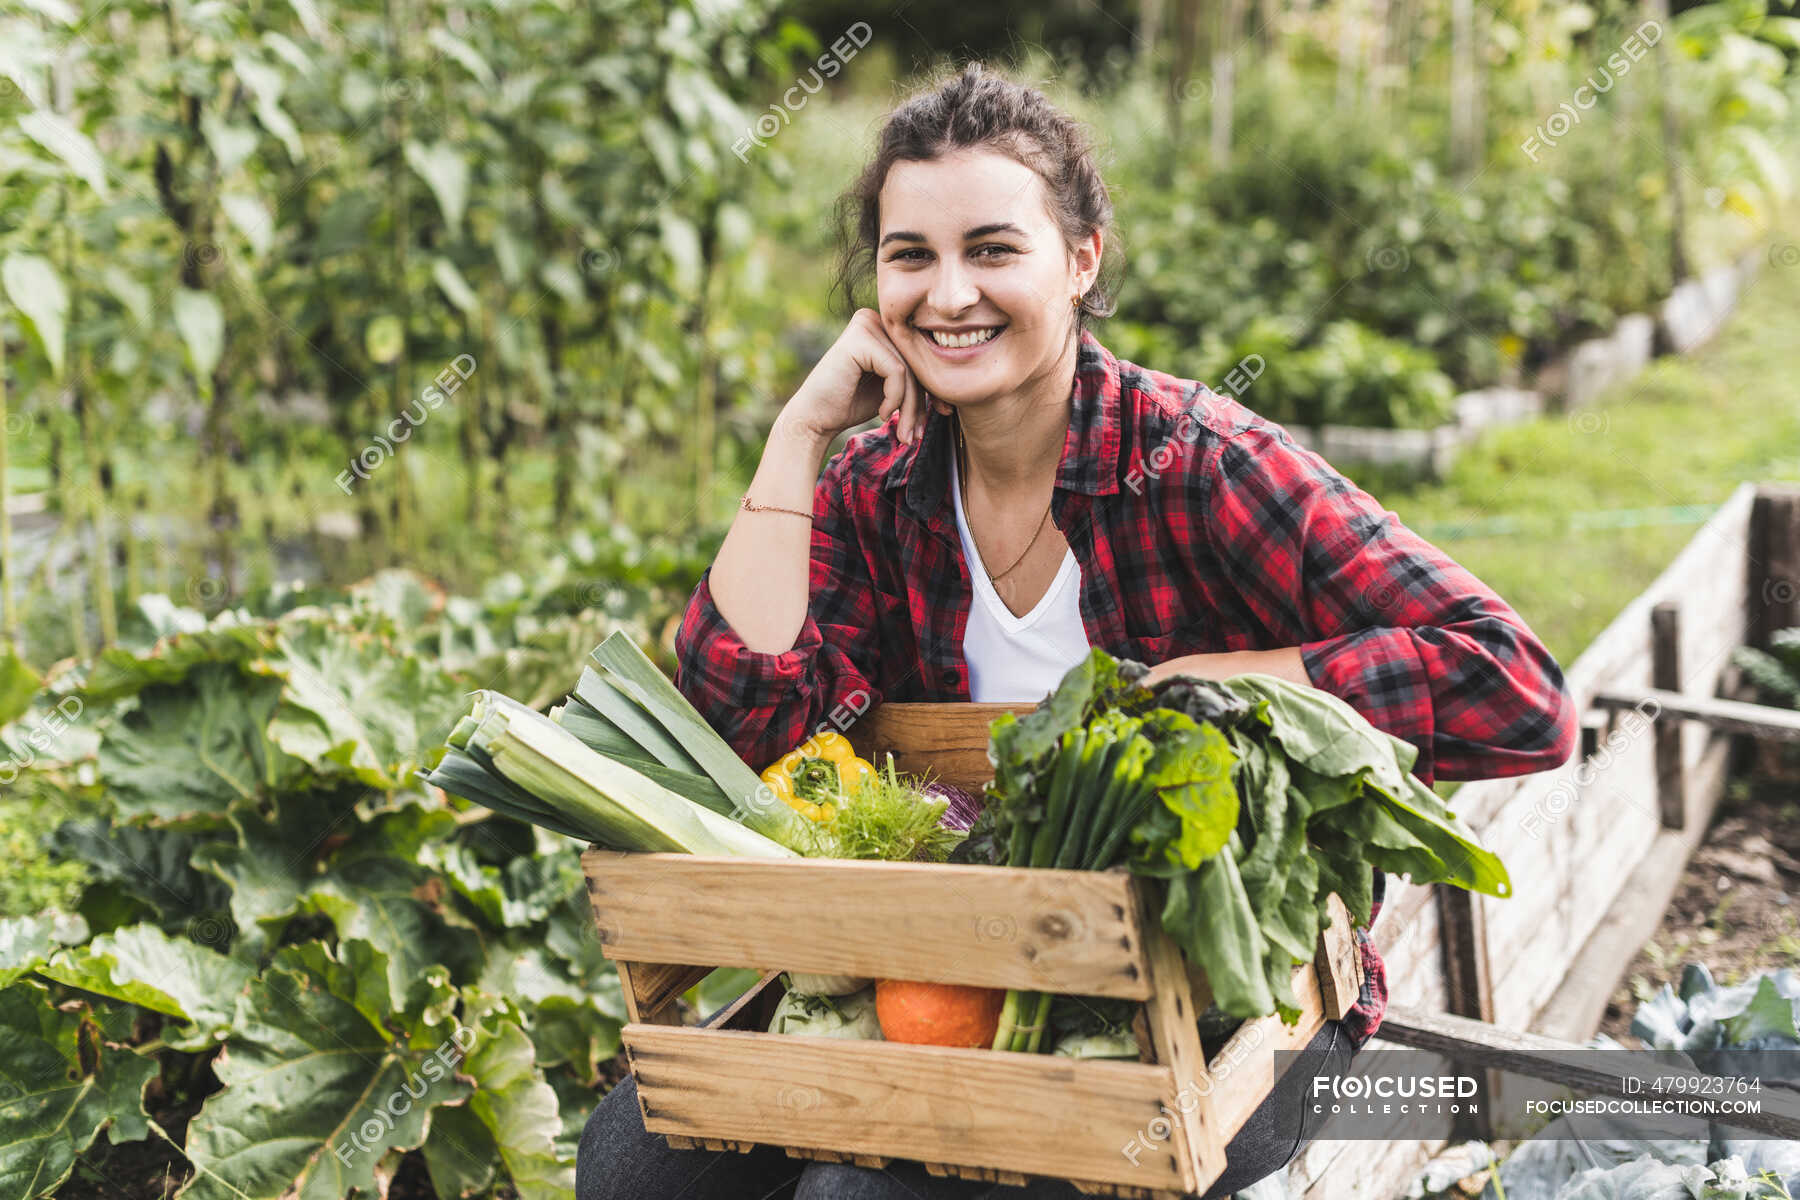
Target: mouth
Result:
[962, 340]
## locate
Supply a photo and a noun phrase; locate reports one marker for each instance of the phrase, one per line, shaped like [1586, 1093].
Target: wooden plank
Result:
[1040, 1114]
[1338, 962]
[1726, 716]
[1055, 931]
[1773, 587]
[948, 741]
[1573, 1010]
[1665, 675]
[1462, 935]
[1467, 982]
[651, 989]
[1196, 1137]
[1600, 1072]
[1243, 1071]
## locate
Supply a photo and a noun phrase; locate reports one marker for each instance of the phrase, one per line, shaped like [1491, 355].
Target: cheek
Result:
[1029, 301]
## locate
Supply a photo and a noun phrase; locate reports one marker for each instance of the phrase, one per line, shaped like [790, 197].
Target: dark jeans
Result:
[620, 1161]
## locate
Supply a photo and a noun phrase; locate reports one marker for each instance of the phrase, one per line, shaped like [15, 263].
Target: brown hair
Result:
[978, 108]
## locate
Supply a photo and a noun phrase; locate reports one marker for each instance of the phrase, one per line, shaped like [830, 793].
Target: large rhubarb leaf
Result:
[195, 747]
[60, 1085]
[520, 1110]
[177, 977]
[353, 705]
[28, 942]
[395, 905]
[270, 865]
[329, 1073]
[119, 672]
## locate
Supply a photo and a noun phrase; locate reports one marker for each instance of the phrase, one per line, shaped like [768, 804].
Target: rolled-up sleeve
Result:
[762, 704]
[1383, 619]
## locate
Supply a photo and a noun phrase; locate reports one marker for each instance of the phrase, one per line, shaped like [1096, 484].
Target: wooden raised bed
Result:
[668, 919]
[1596, 846]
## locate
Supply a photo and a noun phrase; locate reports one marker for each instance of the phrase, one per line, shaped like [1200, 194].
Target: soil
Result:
[1737, 908]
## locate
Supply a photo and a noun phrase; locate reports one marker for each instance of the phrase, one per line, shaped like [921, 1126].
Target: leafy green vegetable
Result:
[1252, 799]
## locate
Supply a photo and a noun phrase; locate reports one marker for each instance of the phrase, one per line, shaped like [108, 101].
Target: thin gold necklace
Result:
[963, 479]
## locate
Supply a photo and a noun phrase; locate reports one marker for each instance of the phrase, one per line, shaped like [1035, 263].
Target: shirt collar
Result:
[1090, 459]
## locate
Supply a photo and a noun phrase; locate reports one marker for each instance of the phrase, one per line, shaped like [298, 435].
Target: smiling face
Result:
[972, 275]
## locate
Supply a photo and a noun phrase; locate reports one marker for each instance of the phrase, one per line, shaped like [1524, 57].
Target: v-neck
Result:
[984, 586]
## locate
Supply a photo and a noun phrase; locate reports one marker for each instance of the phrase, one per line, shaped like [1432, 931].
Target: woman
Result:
[1026, 496]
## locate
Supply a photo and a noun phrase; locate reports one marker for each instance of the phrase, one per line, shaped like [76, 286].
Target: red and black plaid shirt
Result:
[1199, 527]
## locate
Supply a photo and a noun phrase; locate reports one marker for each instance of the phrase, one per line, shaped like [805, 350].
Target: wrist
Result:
[791, 431]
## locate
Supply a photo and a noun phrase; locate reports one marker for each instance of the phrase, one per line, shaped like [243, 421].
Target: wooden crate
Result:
[668, 919]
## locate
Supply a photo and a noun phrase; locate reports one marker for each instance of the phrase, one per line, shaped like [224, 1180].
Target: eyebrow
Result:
[980, 231]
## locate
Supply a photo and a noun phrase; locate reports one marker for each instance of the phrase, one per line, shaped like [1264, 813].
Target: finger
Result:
[887, 363]
[872, 359]
[913, 409]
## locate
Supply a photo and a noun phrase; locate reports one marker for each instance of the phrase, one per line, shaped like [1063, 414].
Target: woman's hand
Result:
[861, 376]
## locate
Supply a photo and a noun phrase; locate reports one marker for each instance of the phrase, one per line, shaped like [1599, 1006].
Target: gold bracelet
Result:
[747, 506]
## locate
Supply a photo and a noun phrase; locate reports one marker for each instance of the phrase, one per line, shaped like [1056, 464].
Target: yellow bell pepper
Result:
[819, 774]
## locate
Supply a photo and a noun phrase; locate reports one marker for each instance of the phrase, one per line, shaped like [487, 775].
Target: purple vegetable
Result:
[964, 806]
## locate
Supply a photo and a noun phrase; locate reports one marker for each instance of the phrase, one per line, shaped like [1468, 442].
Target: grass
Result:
[1684, 433]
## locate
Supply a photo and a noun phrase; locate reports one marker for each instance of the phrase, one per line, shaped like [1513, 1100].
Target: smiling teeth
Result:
[954, 341]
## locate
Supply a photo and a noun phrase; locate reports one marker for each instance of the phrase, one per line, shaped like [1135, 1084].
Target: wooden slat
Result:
[947, 741]
[1462, 935]
[1580, 1068]
[1057, 931]
[1773, 590]
[1575, 1008]
[1196, 1136]
[1243, 1071]
[1338, 962]
[651, 989]
[1034, 1113]
[1727, 716]
[1468, 984]
[1665, 676]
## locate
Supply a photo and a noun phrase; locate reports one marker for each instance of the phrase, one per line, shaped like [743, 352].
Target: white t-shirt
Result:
[1013, 658]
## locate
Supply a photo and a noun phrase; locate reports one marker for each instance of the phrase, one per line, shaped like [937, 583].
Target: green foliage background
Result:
[244, 248]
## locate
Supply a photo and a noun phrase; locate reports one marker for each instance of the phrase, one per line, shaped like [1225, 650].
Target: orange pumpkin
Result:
[938, 1014]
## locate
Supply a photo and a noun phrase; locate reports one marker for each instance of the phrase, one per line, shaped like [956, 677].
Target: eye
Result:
[981, 251]
[901, 256]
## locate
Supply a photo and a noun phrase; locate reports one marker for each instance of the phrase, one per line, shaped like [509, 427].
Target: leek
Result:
[575, 717]
[632, 674]
[586, 794]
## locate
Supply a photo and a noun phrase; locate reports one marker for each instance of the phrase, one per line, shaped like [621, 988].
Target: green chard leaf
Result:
[1208, 914]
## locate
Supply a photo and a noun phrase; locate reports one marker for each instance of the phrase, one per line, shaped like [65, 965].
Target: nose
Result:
[952, 288]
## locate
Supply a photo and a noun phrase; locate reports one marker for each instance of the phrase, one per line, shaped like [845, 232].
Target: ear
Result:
[1087, 256]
